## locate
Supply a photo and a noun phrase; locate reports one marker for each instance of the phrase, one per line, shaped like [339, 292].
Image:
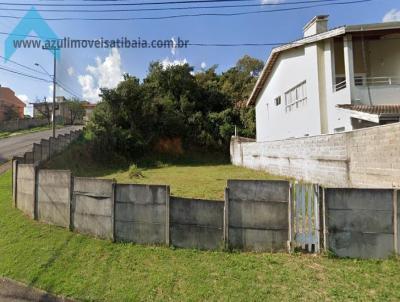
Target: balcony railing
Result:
[341, 85]
[376, 81]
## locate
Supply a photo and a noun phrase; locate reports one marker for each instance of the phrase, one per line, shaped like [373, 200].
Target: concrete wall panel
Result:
[196, 223]
[258, 240]
[141, 213]
[54, 197]
[26, 189]
[92, 205]
[258, 215]
[360, 222]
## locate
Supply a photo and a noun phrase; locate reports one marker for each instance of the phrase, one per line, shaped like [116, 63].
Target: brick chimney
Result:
[317, 25]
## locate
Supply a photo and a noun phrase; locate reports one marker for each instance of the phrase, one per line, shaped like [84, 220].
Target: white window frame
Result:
[296, 96]
[276, 101]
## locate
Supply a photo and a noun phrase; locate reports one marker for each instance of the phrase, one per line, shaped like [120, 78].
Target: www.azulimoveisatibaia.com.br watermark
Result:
[123, 42]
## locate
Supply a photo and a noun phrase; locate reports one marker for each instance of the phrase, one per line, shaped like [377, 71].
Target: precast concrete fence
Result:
[148, 214]
[254, 216]
[47, 148]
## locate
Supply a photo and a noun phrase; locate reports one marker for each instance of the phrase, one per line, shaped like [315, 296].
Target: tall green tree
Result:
[200, 108]
[76, 112]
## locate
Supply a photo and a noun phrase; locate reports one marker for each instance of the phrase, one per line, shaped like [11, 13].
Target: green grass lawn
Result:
[195, 175]
[88, 269]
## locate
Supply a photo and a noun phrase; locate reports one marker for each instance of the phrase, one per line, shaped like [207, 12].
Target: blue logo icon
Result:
[31, 22]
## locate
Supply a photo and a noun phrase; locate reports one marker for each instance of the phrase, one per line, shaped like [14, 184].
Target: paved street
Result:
[18, 145]
[11, 291]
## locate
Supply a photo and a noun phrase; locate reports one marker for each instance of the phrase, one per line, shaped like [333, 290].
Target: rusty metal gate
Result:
[304, 217]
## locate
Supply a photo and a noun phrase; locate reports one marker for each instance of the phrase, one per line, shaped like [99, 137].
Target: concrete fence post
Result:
[71, 203]
[395, 222]
[323, 214]
[113, 198]
[226, 219]
[167, 215]
[35, 193]
[290, 220]
[37, 153]
[14, 180]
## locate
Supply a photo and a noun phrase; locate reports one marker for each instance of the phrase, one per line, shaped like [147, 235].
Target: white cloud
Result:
[29, 108]
[272, 1]
[106, 73]
[167, 62]
[71, 71]
[173, 48]
[203, 65]
[392, 15]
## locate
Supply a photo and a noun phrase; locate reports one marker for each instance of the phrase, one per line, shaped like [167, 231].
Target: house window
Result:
[278, 101]
[296, 96]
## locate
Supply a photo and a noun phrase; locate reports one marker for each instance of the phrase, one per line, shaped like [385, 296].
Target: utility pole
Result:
[54, 93]
[54, 86]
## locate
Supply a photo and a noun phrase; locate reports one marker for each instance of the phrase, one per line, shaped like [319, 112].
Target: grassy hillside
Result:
[88, 269]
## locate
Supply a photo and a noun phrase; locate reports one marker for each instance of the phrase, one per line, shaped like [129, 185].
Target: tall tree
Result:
[75, 110]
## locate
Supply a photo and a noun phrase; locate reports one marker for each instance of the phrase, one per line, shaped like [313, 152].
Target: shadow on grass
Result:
[43, 268]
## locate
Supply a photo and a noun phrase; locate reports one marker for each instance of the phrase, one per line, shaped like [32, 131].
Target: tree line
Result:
[175, 105]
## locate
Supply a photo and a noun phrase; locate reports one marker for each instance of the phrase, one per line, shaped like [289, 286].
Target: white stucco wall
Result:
[315, 64]
[292, 68]
[337, 118]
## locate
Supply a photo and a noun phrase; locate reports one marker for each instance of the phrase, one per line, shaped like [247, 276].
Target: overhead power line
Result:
[68, 89]
[109, 10]
[41, 4]
[24, 66]
[192, 15]
[23, 74]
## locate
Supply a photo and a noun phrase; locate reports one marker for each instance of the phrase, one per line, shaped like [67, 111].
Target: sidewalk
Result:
[11, 291]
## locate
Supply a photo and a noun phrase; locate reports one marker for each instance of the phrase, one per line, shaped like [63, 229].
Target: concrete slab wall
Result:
[20, 124]
[360, 222]
[342, 160]
[37, 153]
[53, 145]
[257, 217]
[397, 194]
[26, 189]
[45, 149]
[54, 196]
[28, 158]
[141, 214]
[93, 207]
[196, 223]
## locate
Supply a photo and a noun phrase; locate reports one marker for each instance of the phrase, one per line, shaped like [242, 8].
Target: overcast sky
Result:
[85, 70]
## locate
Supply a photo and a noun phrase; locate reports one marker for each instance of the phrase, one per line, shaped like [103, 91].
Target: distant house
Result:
[9, 101]
[62, 112]
[45, 109]
[330, 81]
[89, 108]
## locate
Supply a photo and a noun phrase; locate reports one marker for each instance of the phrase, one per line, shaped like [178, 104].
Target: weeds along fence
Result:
[255, 215]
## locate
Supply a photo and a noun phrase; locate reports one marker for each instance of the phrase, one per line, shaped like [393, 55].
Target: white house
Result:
[330, 81]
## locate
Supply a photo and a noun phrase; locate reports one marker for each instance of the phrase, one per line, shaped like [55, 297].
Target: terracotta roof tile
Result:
[374, 109]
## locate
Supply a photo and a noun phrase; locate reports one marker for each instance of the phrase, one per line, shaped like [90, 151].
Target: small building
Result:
[329, 81]
[8, 100]
[62, 111]
[89, 108]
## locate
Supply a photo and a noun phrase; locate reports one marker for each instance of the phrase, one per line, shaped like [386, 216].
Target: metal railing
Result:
[376, 81]
[340, 86]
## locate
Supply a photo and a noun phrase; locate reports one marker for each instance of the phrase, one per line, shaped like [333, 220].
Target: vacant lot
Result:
[194, 175]
[87, 269]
